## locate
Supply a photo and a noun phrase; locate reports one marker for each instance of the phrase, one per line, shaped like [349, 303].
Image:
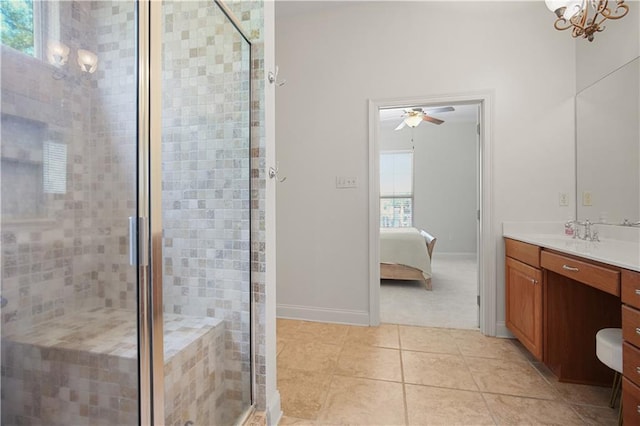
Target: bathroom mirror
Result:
[608, 147]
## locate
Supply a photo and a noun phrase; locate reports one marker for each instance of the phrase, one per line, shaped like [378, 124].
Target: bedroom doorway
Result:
[428, 174]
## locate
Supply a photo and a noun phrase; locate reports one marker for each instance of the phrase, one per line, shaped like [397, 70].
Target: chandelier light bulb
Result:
[573, 8]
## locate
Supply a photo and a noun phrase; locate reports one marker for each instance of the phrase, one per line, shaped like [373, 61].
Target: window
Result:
[17, 29]
[396, 189]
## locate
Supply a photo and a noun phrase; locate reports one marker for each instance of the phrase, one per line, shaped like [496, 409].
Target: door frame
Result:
[486, 238]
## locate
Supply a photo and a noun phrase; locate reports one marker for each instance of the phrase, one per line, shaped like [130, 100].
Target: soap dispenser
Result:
[568, 228]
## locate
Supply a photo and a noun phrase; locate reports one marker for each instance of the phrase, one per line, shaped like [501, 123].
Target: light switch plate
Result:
[586, 198]
[345, 182]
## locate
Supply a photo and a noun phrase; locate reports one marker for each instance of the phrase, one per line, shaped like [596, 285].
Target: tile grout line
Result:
[323, 404]
[562, 398]
[344, 342]
[402, 378]
[486, 404]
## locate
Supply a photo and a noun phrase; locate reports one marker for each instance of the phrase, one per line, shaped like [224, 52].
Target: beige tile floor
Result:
[330, 374]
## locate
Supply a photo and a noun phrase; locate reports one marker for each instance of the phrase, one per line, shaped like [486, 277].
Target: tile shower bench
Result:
[82, 368]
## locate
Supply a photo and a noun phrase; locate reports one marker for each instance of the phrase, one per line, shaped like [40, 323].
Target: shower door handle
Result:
[137, 241]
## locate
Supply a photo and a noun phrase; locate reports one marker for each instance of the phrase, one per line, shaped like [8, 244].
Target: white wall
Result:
[445, 180]
[608, 142]
[338, 58]
[608, 101]
[617, 45]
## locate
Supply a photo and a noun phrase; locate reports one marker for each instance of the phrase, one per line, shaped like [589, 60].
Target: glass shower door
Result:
[205, 214]
[68, 152]
[77, 163]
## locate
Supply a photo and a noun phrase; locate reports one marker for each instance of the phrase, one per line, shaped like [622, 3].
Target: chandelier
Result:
[575, 14]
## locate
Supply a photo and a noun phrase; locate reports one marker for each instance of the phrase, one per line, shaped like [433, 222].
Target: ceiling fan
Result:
[415, 116]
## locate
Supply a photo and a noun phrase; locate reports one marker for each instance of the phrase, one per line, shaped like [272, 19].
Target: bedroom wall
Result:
[445, 180]
[338, 58]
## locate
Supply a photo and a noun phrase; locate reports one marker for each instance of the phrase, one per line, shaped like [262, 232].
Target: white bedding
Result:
[405, 246]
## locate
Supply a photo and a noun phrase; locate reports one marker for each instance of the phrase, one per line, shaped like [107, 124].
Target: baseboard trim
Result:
[311, 313]
[503, 331]
[274, 410]
[455, 254]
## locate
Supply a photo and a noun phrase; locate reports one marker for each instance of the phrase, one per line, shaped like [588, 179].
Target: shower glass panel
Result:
[68, 185]
[205, 214]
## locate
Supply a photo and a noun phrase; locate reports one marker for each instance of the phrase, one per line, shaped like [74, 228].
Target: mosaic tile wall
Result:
[77, 257]
[49, 249]
[206, 165]
[251, 15]
[65, 253]
[114, 149]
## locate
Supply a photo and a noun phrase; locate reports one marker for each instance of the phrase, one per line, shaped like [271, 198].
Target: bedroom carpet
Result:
[451, 303]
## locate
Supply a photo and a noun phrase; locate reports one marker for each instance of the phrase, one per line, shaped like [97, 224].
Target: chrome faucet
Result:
[589, 233]
[587, 230]
[627, 223]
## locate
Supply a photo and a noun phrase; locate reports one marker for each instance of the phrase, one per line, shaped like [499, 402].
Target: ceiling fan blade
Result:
[432, 120]
[440, 109]
[400, 126]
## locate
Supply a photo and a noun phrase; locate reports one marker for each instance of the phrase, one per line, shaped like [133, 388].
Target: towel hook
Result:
[273, 173]
[273, 78]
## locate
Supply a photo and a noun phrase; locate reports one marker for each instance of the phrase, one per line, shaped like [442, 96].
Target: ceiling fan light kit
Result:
[574, 14]
[415, 116]
[413, 119]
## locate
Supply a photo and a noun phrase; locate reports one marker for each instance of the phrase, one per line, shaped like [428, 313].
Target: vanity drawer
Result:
[630, 402]
[631, 288]
[604, 279]
[526, 253]
[631, 325]
[631, 362]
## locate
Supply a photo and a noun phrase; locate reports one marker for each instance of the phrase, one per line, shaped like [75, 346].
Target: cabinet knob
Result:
[637, 330]
[638, 408]
[638, 291]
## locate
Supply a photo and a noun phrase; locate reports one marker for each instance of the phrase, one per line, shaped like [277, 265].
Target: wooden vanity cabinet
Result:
[581, 297]
[631, 346]
[524, 291]
[556, 303]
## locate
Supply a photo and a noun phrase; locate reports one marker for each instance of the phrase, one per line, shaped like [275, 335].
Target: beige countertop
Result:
[617, 246]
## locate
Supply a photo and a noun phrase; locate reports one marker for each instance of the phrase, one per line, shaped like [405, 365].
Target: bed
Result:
[405, 254]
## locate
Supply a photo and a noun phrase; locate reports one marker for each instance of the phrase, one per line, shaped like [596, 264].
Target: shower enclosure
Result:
[125, 213]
